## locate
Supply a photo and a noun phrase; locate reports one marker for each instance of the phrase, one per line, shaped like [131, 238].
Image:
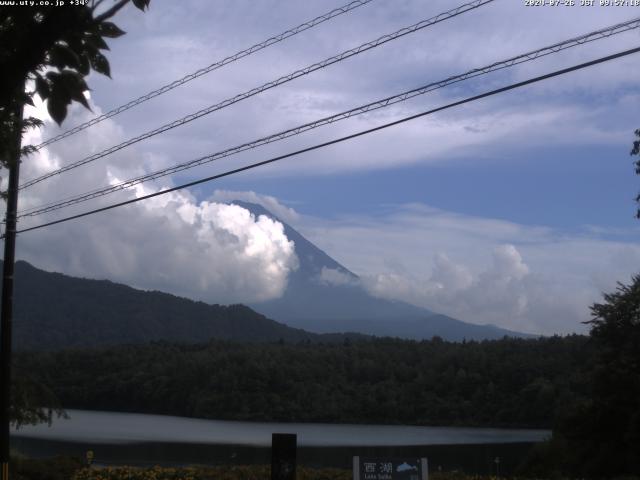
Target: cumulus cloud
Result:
[449, 277]
[269, 202]
[498, 292]
[208, 251]
[204, 250]
[503, 294]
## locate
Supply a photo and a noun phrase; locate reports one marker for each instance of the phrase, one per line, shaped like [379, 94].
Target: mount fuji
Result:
[323, 296]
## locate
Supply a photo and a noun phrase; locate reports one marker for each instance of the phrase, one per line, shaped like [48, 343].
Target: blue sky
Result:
[515, 210]
[567, 188]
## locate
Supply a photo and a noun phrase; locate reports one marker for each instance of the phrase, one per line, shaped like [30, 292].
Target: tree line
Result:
[503, 383]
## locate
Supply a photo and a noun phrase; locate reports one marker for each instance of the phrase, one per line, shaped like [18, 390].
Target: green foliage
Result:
[56, 48]
[545, 460]
[57, 468]
[509, 382]
[32, 402]
[602, 432]
[133, 473]
[235, 472]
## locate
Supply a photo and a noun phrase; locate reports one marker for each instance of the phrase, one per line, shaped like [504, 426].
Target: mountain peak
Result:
[313, 262]
[324, 296]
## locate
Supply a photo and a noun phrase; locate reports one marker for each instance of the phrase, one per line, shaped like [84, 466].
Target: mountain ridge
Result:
[53, 310]
[349, 307]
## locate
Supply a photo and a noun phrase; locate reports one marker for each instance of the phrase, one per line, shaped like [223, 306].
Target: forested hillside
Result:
[54, 311]
[509, 382]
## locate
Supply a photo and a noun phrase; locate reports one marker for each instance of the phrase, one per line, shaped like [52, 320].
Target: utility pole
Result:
[6, 314]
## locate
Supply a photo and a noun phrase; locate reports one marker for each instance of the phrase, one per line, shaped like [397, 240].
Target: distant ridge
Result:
[53, 311]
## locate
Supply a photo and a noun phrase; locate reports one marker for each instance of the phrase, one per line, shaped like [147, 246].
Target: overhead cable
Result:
[337, 140]
[525, 57]
[214, 66]
[274, 83]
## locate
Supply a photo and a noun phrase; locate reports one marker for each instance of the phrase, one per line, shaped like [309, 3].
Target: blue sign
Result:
[390, 468]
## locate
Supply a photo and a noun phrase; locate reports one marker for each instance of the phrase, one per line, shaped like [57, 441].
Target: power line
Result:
[274, 83]
[525, 57]
[214, 66]
[341, 139]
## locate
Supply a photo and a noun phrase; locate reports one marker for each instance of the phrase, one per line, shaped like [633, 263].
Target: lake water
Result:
[118, 428]
[145, 439]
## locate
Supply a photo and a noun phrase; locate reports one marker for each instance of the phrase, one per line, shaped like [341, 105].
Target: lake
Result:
[149, 439]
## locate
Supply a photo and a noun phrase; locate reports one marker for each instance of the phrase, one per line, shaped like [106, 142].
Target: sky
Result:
[516, 210]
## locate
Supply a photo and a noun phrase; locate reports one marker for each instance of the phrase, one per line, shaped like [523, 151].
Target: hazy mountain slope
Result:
[312, 303]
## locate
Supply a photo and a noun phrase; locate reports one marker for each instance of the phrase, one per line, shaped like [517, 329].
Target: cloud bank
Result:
[481, 270]
[205, 250]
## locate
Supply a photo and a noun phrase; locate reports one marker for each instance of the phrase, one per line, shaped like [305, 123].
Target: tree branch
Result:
[111, 12]
[96, 4]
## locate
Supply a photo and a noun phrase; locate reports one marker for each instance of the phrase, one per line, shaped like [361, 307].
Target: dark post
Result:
[283, 456]
[7, 295]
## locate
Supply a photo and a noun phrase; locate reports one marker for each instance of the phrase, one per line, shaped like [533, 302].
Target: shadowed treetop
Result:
[56, 48]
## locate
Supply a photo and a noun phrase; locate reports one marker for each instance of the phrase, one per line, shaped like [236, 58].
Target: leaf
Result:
[73, 80]
[57, 108]
[75, 85]
[62, 56]
[110, 30]
[141, 4]
[31, 122]
[25, 98]
[100, 64]
[28, 150]
[85, 67]
[42, 87]
[64, 87]
[75, 42]
[80, 98]
[89, 48]
[96, 41]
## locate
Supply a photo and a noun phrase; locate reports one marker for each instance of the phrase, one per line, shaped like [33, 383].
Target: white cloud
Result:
[498, 294]
[449, 277]
[269, 202]
[208, 251]
[161, 45]
[204, 250]
[481, 270]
